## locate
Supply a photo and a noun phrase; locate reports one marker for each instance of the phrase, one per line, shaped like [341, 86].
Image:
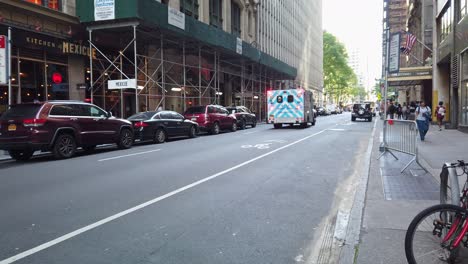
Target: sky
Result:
[358, 25]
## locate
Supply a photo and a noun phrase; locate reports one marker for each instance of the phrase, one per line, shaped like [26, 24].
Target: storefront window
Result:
[57, 80]
[52, 4]
[32, 81]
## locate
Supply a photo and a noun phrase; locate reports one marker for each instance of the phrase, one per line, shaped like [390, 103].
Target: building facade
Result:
[413, 82]
[291, 31]
[174, 53]
[451, 60]
[47, 50]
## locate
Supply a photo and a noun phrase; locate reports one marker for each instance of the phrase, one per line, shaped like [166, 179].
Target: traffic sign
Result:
[3, 60]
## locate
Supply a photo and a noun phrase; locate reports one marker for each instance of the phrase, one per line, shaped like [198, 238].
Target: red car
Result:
[60, 127]
[212, 118]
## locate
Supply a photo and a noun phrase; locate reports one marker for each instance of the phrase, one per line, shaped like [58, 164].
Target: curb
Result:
[353, 232]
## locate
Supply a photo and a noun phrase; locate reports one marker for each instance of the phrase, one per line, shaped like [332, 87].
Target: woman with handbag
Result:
[423, 119]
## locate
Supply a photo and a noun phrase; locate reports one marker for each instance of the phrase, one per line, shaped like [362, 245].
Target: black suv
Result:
[362, 111]
[60, 127]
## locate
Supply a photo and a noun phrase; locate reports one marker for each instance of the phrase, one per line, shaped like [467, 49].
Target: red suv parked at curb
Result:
[60, 127]
[212, 118]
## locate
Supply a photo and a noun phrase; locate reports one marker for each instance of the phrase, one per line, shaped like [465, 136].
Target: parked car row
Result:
[329, 110]
[62, 127]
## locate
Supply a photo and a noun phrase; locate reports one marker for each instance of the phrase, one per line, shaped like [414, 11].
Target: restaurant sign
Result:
[51, 44]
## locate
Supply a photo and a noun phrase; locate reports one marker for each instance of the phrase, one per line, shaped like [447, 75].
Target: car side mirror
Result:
[109, 114]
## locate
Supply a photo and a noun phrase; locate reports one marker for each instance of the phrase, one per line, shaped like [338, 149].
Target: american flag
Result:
[410, 41]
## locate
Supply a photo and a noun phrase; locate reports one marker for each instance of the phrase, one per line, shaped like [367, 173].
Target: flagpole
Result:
[414, 57]
[424, 45]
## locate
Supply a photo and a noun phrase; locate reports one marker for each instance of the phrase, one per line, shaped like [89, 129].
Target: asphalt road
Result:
[254, 196]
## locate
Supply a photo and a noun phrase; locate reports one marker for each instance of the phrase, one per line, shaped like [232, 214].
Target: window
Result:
[463, 7]
[165, 115]
[89, 110]
[290, 99]
[235, 19]
[446, 23]
[189, 8]
[64, 110]
[52, 4]
[216, 17]
[279, 99]
[211, 110]
[176, 116]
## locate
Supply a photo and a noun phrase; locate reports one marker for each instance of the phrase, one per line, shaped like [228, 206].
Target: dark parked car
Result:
[212, 118]
[361, 111]
[244, 116]
[159, 126]
[60, 127]
[322, 111]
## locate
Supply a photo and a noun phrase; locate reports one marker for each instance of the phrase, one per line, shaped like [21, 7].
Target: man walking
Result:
[423, 118]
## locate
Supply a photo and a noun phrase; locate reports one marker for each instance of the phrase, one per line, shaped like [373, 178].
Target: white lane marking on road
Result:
[143, 205]
[129, 155]
[258, 146]
[276, 141]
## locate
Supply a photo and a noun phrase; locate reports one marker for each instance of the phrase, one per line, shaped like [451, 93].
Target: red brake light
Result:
[140, 124]
[34, 122]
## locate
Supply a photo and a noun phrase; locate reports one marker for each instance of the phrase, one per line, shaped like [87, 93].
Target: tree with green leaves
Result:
[339, 78]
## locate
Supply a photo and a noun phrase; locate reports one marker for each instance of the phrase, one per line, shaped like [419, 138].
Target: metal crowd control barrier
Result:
[401, 136]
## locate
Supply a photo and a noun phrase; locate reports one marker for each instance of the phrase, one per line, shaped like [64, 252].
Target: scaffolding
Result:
[172, 72]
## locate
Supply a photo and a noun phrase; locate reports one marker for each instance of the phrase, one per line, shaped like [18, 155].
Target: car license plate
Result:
[194, 119]
[12, 127]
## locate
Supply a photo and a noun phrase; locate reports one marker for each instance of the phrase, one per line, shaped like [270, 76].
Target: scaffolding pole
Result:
[163, 75]
[91, 83]
[185, 75]
[137, 109]
[199, 77]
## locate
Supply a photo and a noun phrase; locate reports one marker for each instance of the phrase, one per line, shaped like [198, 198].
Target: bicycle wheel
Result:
[426, 239]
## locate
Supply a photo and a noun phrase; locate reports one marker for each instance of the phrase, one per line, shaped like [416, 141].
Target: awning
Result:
[410, 76]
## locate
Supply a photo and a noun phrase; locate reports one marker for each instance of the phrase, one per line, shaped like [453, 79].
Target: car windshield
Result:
[196, 110]
[365, 106]
[21, 111]
[142, 116]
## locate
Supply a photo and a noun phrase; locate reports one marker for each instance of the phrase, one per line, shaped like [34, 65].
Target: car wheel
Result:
[215, 129]
[89, 148]
[125, 139]
[242, 125]
[313, 122]
[353, 119]
[21, 155]
[193, 132]
[278, 126]
[254, 124]
[64, 146]
[159, 136]
[234, 126]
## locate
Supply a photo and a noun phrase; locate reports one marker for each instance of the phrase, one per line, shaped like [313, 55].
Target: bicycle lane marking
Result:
[104, 221]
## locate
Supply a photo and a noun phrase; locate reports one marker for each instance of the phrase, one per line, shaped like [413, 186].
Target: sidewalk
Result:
[393, 199]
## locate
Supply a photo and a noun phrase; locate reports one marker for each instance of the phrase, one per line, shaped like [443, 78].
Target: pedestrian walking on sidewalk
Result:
[423, 119]
[405, 111]
[440, 111]
[399, 111]
[391, 109]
